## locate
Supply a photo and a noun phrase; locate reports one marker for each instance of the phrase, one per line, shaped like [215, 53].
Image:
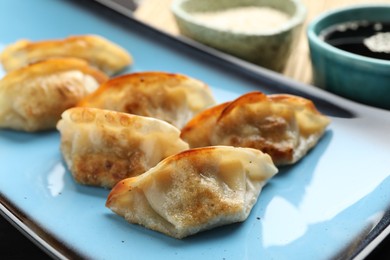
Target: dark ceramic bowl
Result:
[356, 77]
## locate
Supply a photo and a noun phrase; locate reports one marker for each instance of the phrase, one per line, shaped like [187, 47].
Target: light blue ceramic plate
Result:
[320, 208]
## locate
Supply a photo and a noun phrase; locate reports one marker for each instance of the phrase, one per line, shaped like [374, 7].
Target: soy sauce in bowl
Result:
[370, 39]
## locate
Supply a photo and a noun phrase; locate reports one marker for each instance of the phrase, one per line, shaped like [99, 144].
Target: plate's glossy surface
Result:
[312, 210]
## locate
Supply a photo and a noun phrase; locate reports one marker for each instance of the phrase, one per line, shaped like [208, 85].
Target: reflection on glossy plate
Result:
[324, 203]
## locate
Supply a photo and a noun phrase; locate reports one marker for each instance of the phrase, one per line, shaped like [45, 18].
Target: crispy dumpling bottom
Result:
[194, 190]
[102, 147]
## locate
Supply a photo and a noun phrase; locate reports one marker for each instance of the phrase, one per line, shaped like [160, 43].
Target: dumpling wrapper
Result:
[102, 147]
[96, 50]
[284, 126]
[194, 190]
[197, 132]
[174, 98]
[32, 98]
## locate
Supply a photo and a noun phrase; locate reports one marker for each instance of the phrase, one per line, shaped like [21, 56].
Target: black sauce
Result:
[356, 37]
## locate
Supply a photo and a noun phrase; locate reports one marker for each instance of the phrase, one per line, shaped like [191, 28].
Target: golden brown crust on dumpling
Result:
[50, 66]
[32, 98]
[194, 190]
[253, 121]
[284, 126]
[309, 119]
[96, 50]
[207, 119]
[245, 99]
[174, 98]
[102, 147]
[294, 100]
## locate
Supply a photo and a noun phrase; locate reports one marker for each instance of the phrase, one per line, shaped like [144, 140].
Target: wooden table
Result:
[158, 14]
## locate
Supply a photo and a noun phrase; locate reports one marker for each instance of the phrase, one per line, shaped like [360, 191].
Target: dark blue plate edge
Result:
[374, 238]
[53, 247]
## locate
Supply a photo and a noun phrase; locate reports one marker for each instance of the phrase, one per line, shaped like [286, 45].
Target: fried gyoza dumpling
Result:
[284, 126]
[194, 190]
[96, 50]
[32, 98]
[173, 98]
[102, 147]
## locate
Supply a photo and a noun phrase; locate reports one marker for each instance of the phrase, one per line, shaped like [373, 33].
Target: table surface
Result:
[157, 13]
